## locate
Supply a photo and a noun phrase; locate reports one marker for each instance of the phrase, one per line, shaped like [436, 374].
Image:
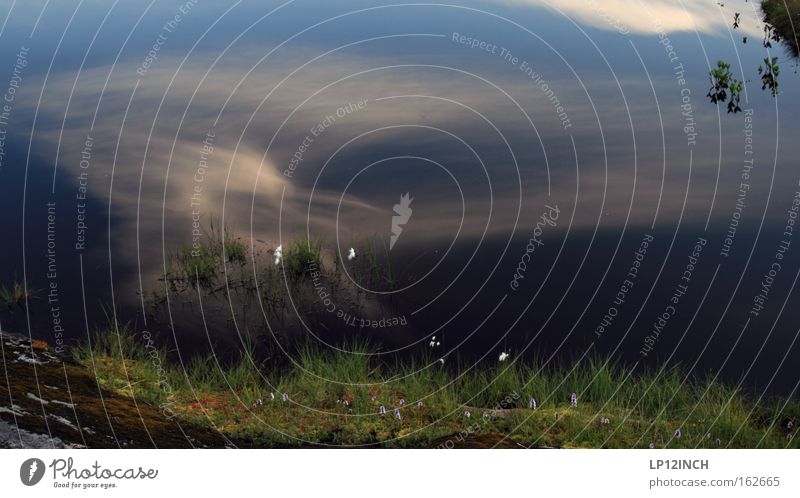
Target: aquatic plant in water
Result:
[778, 26]
[724, 86]
[769, 75]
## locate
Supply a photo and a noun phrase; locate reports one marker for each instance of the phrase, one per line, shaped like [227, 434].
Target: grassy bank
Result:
[336, 399]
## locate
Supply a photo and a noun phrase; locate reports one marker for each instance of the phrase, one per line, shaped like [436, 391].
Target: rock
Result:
[48, 400]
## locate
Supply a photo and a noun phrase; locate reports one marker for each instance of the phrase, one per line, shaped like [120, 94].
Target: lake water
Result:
[574, 190]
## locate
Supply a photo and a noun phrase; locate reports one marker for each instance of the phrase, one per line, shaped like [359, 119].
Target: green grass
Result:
[642, 407]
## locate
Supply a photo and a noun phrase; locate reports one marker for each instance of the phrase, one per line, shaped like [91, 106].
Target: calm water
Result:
[573, 189]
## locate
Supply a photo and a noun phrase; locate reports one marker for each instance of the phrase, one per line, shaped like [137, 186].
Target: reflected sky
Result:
[654, 16]
[281, 119]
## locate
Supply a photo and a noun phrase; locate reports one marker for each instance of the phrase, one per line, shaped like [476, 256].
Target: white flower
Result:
[382, 410]
[351, 255]
[441, 360]
[278, 254]
[467, 414]
[503, 356]
[285, 397]
[272, 396]
[532, 403]
[397, 413]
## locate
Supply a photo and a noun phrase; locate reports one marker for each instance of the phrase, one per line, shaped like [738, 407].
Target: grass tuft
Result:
[17, 295]
[302, 257]
[203, 262]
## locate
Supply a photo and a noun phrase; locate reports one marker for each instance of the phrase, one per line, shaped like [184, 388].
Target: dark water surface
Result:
[573, 189]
